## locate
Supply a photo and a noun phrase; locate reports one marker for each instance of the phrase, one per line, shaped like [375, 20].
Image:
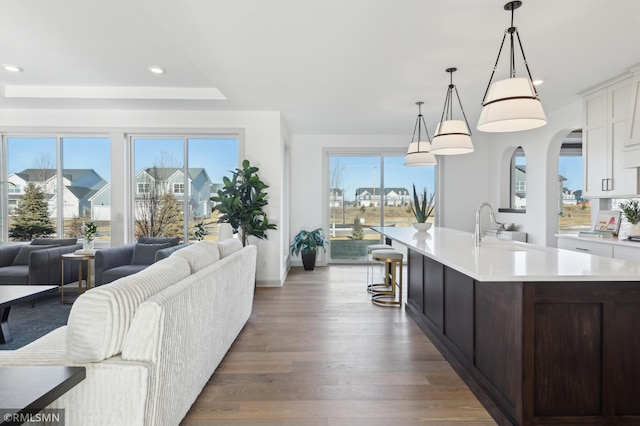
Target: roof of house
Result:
[387, 190]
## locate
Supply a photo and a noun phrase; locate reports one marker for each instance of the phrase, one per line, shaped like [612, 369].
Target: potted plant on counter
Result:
[631, 210]
[308, 243]
[422, 209]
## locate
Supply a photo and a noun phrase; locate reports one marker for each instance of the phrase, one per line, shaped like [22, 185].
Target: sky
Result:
[218, 156]
[571, 169]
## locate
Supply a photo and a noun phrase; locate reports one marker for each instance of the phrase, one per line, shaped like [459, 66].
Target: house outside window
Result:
[518, 179]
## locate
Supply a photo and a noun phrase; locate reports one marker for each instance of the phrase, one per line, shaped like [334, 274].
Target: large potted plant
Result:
[308, 243]
[631, 210]
[241, 203]
[422, 209]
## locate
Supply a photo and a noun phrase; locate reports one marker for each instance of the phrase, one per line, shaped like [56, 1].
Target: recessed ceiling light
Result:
[12, 68]
[156, 70]
[537, 82]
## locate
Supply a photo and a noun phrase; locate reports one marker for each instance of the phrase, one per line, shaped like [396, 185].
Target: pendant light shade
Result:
[419, 153]
[512, 104]
[452, 137]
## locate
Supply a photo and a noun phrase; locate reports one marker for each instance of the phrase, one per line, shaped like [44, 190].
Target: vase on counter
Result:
[421, 226]
[634, 230]
[87, 245]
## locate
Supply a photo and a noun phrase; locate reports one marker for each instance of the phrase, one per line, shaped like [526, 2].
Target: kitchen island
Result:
[540, 335]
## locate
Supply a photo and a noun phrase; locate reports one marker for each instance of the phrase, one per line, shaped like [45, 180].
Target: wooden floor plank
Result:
[317, 352]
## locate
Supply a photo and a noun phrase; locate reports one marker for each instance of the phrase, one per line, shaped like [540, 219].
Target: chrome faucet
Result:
[478, 235]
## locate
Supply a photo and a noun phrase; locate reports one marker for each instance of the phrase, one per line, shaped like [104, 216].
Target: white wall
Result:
[295, 167]
[465, 182]
[541, 147]
[262, 144]
[309, 175]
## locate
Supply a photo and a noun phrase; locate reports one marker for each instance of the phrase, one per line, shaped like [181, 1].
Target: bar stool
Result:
[370, 263]
[393, 263]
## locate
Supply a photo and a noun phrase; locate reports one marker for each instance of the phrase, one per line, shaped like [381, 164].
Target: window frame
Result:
[58, 137]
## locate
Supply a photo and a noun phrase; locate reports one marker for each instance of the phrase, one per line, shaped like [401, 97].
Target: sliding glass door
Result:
[366, 191]
[173, 183]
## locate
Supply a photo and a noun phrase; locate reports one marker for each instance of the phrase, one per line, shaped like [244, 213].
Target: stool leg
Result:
[381, 298]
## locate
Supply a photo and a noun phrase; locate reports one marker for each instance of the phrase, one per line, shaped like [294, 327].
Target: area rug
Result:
[27, 323]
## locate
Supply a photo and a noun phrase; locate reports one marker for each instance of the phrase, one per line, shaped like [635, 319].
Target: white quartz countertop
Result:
[498, 260]
[613, 241]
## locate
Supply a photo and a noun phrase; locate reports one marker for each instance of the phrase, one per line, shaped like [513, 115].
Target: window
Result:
[174, 190]
[32, 171]
[574, 212]
[86, 188]
[375, 190]
[518, 180]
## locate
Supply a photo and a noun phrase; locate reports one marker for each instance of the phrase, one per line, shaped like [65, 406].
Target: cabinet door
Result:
[632, 142]
[605, 134]
[624, 181]
[597, 163]
[627, 253]
[634, 115]
[590, 247]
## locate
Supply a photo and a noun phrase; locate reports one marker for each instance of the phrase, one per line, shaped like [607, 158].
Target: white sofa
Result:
[150, 341]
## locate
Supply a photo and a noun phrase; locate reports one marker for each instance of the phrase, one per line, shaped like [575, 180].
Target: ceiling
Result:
[331, 67]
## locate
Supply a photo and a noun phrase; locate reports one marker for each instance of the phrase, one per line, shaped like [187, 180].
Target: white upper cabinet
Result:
[632, 144]
[605, 137]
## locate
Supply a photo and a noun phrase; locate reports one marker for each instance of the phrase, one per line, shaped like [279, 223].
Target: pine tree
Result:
[357, 233]
[31, 216]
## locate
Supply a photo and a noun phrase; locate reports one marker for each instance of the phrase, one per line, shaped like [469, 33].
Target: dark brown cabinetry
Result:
[535, 353]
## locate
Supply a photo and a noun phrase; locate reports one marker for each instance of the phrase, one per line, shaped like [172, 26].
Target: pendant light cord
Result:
[512, 61]
[417, 126]
[448, 103]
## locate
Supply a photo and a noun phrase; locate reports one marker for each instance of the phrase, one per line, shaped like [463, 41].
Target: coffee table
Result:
[10, 294]
[29, 389]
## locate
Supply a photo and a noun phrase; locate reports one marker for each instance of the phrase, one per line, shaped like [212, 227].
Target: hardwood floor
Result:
[317, 352]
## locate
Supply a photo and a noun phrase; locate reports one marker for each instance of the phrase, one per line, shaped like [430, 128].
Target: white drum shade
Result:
[421, 157]
[452, 138]
[511, 105]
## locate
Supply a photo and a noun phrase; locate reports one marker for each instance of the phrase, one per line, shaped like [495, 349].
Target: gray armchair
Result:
[38, 263]
[118, 262]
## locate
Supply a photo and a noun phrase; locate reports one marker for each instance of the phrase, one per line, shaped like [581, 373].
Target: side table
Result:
[81, 258]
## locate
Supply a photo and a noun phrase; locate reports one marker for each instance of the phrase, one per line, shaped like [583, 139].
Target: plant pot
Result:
[421, 226]
[308, 259]
[87, 246]
[634, 230]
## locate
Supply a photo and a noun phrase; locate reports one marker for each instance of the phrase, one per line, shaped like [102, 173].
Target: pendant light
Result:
[512, 104]
[418, 153]
[452, 137]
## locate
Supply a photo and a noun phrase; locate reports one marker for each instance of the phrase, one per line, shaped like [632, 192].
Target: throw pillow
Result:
[229, 246]
[145, 254]
[173, 241]
[22, 258]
